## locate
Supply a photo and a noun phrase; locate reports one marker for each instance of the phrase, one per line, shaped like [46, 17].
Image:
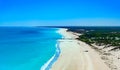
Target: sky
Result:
[59, 12]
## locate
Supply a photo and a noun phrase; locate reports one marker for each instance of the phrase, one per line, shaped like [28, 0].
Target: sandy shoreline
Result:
[76, 55]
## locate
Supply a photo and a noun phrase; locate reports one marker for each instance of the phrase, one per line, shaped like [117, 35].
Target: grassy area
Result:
[101, 38]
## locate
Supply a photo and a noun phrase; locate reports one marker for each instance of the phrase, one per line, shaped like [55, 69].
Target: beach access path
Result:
[77, 55]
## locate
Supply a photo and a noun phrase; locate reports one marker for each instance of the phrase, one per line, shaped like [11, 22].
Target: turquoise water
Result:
[26, 48]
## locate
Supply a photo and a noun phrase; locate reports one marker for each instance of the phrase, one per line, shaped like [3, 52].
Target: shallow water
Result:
[26, 48]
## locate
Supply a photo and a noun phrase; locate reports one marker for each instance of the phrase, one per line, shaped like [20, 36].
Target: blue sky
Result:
[60, 12]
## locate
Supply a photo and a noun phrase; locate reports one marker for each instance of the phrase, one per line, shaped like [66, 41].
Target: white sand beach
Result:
[76, 55]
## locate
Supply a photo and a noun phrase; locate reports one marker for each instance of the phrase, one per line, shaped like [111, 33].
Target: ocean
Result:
[28, 48]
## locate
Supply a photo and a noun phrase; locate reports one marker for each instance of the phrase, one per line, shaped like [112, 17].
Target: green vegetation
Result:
[106, 36]
[101, 38]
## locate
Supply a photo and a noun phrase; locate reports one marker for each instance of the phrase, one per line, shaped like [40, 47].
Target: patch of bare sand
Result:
[76, 55]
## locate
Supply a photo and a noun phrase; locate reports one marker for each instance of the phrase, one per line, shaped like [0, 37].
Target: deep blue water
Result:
[26, 48]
